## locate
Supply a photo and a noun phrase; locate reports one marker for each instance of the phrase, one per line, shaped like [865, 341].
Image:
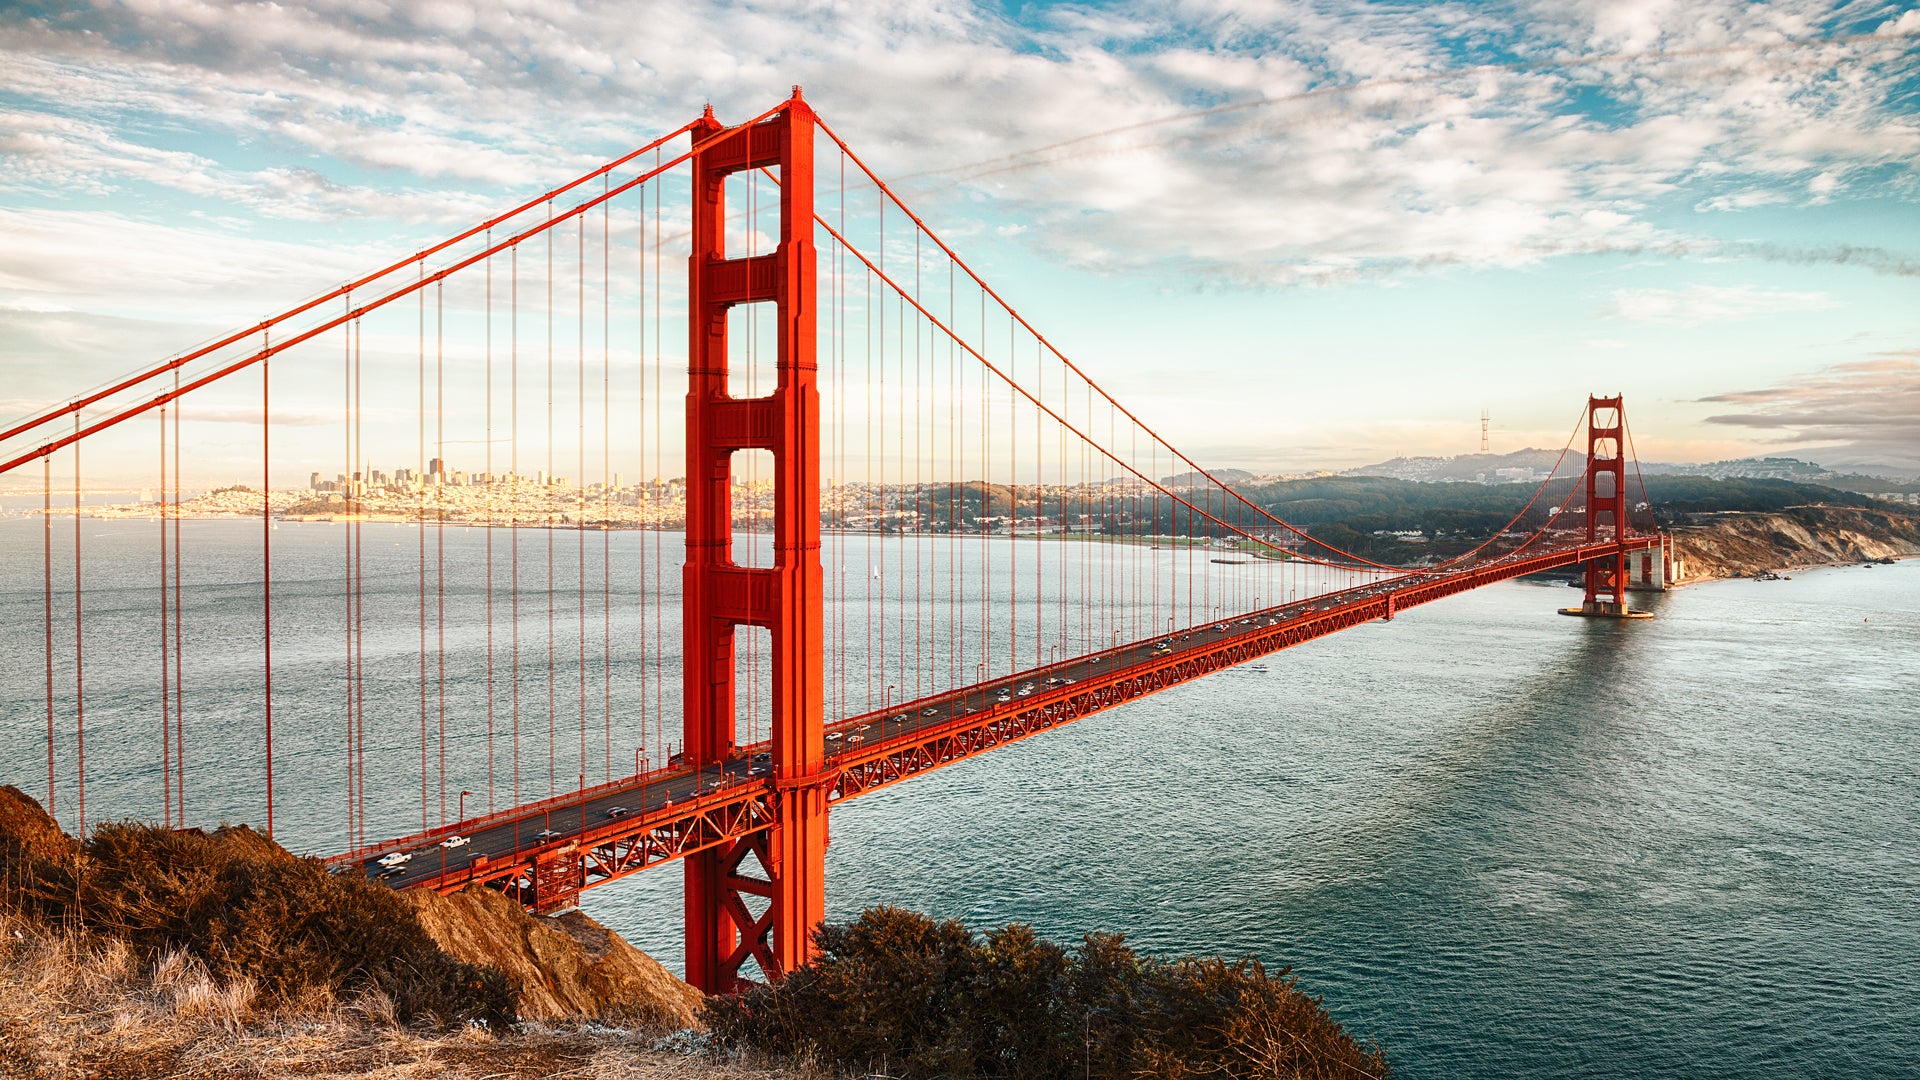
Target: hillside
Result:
[1744, 544]
[148, 952]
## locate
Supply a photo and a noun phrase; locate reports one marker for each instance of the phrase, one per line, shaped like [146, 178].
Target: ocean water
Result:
[1503, 842]
[1500, 841]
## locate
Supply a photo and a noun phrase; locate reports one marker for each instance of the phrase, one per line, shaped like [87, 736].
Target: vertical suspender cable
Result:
[346, 431]
[420, 518]
[354, 476]
[166, 689]
[79, 666]
[266, 564]
[440, 519]
[179, 625]
[46, 564]
[580, 426]
[606, 479]
[646, 490]
[513, 498]
[546, 502]
[491, 481]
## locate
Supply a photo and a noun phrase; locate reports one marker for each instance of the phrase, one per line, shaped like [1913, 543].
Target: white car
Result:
[395, 858]
[547, 834]
[456, 841]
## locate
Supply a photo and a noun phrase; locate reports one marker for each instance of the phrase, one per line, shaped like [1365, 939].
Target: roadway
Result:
[663, 793]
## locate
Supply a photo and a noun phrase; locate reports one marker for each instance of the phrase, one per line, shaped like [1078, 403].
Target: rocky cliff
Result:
[1740, 545]
[564, 966]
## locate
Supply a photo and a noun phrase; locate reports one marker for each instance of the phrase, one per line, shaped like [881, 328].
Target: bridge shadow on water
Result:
[1562, 727]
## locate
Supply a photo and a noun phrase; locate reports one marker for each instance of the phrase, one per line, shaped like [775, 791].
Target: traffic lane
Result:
[520, 835]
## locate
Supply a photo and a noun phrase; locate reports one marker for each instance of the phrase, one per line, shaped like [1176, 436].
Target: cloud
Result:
[56, 258]
[1697, 304]
[1274, 142]
[1866, 412]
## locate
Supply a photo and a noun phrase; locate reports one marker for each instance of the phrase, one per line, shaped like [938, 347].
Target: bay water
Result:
[1501, 841]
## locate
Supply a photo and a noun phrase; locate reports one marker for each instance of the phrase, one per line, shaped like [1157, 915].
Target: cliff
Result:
[562, 967]
[1740, 545]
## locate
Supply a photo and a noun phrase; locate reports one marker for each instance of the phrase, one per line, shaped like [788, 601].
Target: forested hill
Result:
[1348, 511]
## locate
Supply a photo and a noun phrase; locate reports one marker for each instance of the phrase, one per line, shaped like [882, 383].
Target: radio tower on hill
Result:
[1483, 431]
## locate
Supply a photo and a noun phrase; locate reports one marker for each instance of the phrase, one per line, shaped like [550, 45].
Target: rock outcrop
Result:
[1740, 545]
[564, 966]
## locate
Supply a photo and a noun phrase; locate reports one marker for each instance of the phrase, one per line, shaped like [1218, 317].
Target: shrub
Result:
[249, 911]
[898, 990]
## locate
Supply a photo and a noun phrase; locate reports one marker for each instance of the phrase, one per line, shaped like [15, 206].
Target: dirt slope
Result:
[565, 966]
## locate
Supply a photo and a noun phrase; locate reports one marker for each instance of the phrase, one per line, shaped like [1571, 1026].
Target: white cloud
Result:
[1370, 146]
[1696, 304]
[1907, 25]
[1744, 200]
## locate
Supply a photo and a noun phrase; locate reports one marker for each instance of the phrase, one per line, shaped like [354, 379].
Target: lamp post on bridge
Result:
[463, 804]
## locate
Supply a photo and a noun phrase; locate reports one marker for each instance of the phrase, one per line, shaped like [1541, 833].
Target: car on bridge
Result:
[618, 811]
[456, 841]
[395, 858]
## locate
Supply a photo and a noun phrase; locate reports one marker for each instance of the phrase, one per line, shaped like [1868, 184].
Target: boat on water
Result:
[1231, 562]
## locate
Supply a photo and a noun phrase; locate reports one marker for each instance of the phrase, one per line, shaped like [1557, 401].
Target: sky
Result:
[1291, 235]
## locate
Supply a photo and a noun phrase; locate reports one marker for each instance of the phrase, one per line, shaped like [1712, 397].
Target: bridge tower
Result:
[1606, 511]
[724, 885]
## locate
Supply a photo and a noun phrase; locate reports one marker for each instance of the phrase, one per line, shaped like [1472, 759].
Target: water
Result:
[1503, 842]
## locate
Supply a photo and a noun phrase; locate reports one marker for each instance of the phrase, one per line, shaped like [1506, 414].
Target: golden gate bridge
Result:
[928, 455]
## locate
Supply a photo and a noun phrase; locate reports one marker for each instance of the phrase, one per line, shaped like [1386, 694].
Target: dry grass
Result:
[74, 1008]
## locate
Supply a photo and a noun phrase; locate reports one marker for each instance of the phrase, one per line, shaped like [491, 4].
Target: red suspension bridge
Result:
[914, 530]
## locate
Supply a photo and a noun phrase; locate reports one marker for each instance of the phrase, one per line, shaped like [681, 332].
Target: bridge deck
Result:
[546, 852]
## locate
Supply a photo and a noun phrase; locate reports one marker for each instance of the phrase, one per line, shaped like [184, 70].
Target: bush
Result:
[241, 905]
[900, 991]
